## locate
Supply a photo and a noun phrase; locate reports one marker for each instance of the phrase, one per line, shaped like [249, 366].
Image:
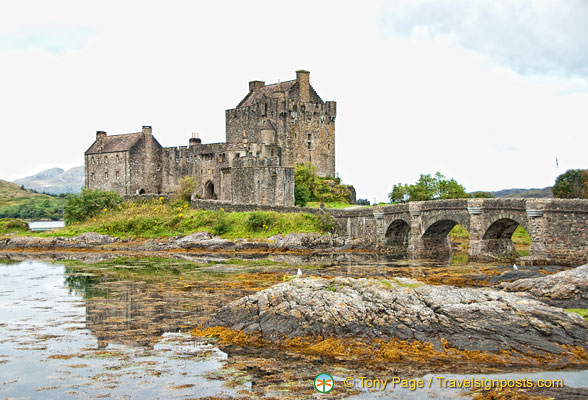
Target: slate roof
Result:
[115, 143]
[266, 91]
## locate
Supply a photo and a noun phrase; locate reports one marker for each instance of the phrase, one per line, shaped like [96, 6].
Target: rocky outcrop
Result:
[568, 289]
[93, 239]
[298, 241]
[203, 241]
[467, 319]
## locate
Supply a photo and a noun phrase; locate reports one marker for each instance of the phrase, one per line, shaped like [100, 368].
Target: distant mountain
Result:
[55, 181]
[544, 193]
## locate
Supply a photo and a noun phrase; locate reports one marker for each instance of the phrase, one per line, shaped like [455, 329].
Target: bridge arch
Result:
[435, 242]
[496, 239]
[397, 237]
[502, 228]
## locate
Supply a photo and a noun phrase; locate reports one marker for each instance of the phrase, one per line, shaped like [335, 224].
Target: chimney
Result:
[302, 77]
[254, 85]
[100, 135]
[146, 129]
[195, 140]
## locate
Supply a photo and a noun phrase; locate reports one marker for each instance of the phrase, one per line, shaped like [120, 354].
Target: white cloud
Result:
[407, 104]
[531, 36]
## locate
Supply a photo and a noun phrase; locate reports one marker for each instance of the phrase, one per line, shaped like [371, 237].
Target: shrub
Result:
[260, 221]
[11, 225]
[186, 188]
[326, 223]
[301, 195]
[85, 205]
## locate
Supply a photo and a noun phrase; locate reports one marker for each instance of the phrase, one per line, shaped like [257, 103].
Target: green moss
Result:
[583, 312]
[395, 283]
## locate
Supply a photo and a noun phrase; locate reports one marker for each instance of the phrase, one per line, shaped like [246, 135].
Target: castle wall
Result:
[262, 185]
[305, 131]
[107, 171]
[145, 166]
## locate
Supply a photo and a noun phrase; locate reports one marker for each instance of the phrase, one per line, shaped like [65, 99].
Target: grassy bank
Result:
[161, 219]
[12, 225]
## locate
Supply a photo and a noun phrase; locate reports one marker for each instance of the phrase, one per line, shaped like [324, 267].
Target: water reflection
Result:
[90, 333]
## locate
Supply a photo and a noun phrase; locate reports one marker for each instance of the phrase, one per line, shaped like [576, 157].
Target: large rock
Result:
[468, 319]
[203, 241]
[28, 242]
[305, 241]
[567, 289]
[94, 238]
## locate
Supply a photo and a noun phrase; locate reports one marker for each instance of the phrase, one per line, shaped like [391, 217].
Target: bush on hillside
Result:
[310, 187]
[88, 203]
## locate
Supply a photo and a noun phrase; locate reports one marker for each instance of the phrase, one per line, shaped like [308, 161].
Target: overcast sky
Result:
[488, 92]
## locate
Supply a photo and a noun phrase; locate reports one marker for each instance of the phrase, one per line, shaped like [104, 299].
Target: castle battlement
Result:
[274, 128]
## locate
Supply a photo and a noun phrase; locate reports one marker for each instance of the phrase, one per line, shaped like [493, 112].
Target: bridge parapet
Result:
[558, 228]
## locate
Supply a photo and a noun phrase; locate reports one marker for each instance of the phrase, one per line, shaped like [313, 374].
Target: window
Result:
[93, 176]
[117, 175]
[106, 176]
[93, 160]
[105, 159]
[117, 158]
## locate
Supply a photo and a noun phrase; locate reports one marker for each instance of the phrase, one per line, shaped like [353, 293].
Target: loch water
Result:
[65, 333]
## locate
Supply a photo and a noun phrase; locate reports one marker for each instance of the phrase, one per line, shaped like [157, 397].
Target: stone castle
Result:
[271, 130]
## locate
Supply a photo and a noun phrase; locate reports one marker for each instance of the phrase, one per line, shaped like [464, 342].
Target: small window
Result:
[117, 158]
[117, 175]
[106, 176]
[105, 159]
[154, 177]
[93, 176]
[250, 154]
[309, 143]
[93, 160]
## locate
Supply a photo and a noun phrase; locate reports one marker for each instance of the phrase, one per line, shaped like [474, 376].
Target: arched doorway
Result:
[209, 190]
[142, 191]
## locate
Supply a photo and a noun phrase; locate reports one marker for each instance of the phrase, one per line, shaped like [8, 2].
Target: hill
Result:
[544, 193]
[55, 181]
[24, 204]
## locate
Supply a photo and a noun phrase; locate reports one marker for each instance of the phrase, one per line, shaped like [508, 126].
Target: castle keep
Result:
[271, 130]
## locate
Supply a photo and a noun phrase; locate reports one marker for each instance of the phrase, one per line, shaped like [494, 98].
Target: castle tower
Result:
[304, 123]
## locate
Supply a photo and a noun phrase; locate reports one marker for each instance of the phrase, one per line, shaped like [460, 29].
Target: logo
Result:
[324, 383]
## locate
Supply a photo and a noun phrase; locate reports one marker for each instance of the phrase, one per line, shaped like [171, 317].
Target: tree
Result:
[428, 188]
[572, 184]
[79, 207]
[186, 188]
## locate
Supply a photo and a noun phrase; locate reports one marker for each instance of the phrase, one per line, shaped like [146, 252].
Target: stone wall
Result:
[558, 228]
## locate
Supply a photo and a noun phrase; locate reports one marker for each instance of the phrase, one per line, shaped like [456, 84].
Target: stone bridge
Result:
[558, 228]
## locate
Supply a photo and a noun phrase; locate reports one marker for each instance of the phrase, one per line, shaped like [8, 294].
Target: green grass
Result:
[583, 312]
[336, 204]
[10, 225]
[161, 219]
